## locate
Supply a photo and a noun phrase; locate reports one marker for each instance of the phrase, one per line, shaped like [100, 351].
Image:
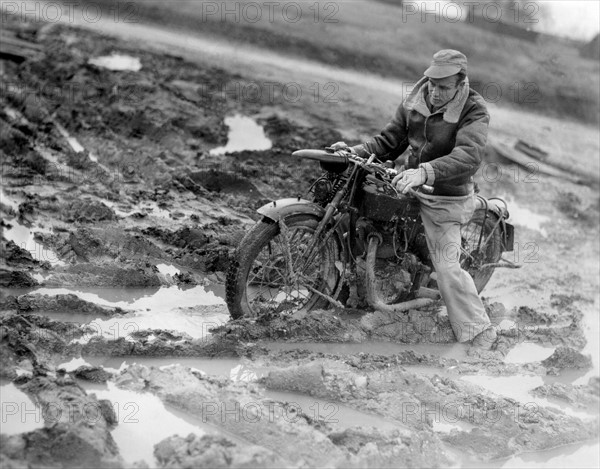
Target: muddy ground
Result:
[117, 254]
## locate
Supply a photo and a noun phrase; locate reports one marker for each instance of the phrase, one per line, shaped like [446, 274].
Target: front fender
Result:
[283, 208]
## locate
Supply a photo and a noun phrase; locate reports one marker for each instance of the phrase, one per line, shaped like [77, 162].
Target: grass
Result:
[547, 76]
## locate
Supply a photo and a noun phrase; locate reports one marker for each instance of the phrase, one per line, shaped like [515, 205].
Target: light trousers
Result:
[442, 218]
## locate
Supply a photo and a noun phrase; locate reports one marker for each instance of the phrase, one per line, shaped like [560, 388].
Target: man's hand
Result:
[410, 178]
[337, 146]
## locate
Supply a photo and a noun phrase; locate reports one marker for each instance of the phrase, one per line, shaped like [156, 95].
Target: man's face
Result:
[442, 90]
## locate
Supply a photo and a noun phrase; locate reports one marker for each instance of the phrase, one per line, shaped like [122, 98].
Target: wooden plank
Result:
[536, 166]
[7, 41]
[531, 150]
[17, 50]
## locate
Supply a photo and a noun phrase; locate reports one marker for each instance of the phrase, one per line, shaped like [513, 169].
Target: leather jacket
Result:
[448, 143]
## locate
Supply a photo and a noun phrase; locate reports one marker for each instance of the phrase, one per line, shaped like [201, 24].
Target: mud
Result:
[581, 395]
[378, 392]
[123, 244]
[212, 451]
[71, 437]
[36, 303]
[258, 420]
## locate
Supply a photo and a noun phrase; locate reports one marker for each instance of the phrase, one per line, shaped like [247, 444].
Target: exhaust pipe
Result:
[373, 297]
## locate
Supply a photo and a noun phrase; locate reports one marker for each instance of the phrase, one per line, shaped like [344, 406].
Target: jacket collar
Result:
[416, 101]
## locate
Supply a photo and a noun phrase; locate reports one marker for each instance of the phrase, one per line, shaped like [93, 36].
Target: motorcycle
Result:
[356, 243]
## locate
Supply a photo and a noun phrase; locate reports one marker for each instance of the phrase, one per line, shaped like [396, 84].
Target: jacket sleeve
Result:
[466, 157]
[391, 141]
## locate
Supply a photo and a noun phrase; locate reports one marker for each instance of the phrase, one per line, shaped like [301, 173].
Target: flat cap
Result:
[445, 63]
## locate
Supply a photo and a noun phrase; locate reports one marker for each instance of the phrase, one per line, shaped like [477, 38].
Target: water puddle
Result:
[224, 367]
[146, 208]
[514, 296]
[591, 326]
[244, 134]
[333, 413]
[19, 413]
[518, 388]
[166, 269]
[117, 62]
[451, 350]
[575, 456]
[513, 387]
[73, 142]
[193, 311]
[73, 364]
[24, 238]
[118, 211]
[526, 218]
[527, 352]
[9, 202]
[143, 421]
[209, 214]
[104, 296]
[152, 208]
[195, 322]
[153, 298]
[155, 210]
[579, 456]
[41, 278]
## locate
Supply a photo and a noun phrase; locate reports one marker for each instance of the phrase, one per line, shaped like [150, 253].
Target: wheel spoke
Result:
[271, 269]
[275, 281]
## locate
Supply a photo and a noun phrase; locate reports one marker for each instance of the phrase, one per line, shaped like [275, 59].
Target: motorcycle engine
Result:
[399, 272]
[396, 269]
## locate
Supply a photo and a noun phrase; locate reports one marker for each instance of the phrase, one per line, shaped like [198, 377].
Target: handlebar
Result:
[367, 163]
[329, 155]
[388, 173]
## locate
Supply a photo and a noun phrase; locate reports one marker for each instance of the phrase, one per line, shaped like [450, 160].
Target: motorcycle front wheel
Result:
[272, 271]
[482, 247]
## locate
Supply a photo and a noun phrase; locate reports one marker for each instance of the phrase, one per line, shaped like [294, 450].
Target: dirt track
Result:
[159, 215]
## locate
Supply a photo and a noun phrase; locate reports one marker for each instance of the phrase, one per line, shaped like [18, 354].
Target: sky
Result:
[578, 19]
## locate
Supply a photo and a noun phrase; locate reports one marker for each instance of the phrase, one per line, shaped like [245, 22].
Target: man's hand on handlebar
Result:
[341, 146]
[409, 179]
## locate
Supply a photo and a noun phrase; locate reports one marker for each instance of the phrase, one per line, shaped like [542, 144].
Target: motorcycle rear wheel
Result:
[268, 274]
[476, 254]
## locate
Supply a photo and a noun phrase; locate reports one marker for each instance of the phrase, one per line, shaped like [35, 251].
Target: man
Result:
[444, 125]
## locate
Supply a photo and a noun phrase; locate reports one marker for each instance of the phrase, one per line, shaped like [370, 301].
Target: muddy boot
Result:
[485, 339]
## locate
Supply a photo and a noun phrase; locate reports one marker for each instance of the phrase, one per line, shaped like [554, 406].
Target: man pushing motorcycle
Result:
[444, 125]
